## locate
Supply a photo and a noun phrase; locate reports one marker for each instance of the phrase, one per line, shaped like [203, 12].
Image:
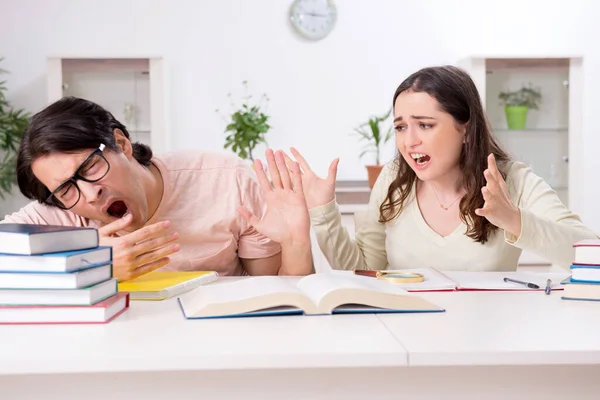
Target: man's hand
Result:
[141, 251]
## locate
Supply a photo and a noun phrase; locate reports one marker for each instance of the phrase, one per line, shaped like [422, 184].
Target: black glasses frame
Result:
[53, 200]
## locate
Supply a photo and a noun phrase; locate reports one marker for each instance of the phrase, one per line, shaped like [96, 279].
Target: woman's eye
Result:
[426, 126]
[399, 128]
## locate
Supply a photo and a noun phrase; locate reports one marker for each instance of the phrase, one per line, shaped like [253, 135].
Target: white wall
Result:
[318, 91]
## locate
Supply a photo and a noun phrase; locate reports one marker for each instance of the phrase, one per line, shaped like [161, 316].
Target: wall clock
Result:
[313, 19]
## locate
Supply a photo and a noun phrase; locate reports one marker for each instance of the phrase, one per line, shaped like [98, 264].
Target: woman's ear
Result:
[123, 143]
[463, 131]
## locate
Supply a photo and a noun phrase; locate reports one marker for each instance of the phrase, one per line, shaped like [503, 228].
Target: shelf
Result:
[71, 65]
[526, 64]
[531, 130]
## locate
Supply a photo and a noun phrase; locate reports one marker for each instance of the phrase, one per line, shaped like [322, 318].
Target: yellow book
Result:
[159, 285]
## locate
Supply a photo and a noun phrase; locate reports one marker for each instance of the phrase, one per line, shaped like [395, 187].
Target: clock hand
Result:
[316, 15]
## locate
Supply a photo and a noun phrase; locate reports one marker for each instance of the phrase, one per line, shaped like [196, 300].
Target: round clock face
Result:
[313, 19]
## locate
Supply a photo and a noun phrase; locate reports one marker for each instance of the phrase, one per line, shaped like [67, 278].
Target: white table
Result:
[522, 345]
[487, 345]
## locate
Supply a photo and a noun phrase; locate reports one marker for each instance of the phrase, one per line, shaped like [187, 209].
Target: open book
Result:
[494, 280]
[436, 280]
[311, 295]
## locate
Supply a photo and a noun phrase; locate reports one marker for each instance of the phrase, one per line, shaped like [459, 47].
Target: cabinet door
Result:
[543, 144]
[551, 142]
[126, 94]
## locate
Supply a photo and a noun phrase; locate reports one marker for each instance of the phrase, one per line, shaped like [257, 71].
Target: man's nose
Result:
[91, 191]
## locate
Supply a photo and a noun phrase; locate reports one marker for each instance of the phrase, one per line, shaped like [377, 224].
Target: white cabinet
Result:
[132, 89]
[551, 142]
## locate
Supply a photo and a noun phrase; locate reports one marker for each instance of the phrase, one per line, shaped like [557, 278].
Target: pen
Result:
[548, 286]
[528, 284]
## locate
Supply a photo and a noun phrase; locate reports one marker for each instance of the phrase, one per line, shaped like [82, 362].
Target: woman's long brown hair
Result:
[457, 95]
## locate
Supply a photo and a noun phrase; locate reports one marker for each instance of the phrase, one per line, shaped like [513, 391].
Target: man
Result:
[182, 211]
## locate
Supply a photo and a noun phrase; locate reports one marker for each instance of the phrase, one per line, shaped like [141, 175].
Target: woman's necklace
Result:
[440, 203]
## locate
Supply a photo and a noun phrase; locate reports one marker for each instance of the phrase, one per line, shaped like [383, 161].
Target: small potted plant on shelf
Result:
[247, 126]
[518, 103]
[375, 135]
[12, 126]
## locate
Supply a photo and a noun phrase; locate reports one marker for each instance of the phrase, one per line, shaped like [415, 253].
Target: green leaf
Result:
[246, 128]
[12, 127]
[373, 132]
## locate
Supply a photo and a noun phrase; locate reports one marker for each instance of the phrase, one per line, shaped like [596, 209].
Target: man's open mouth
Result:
[117, 209]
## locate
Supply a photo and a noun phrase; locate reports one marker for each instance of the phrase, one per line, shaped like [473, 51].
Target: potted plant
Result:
[12, 126]
[247, 125]
[518, 103]
[375, 135]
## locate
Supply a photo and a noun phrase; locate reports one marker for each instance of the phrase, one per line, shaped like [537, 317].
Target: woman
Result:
[452, 198]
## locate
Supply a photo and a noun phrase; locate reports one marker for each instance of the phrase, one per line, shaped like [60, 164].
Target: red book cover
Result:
[99, 313]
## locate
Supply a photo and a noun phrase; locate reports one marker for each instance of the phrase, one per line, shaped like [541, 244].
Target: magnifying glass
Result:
[392, 276]
[400, 277]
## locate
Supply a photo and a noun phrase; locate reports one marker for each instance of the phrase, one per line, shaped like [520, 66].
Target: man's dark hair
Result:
[69, 125]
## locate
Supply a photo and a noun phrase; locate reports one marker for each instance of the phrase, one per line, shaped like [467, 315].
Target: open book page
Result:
[471, 280]
[246, 295]
[351, 292]
[433, 280]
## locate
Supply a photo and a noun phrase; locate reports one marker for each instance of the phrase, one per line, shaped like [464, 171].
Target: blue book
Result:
[28, 239]
[64, 261]
[316, 294]
[580, 290]
[585, 272]
[56, 280]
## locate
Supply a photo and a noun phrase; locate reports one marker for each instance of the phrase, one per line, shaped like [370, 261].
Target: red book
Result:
[587, 252]
[99, 313]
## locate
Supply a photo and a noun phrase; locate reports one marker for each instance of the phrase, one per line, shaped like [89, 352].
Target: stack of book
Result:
[55, 274]
[584, 282]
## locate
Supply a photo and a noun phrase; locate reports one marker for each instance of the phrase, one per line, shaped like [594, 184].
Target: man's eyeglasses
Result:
[94, 168]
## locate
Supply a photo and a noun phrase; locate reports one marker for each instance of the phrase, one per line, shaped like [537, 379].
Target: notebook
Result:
[436, 280]
[30, 239]
[494, 280]
[316, 294]
[160, 285]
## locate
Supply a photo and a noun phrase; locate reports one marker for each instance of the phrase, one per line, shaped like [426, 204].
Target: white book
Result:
[59, 297]
[316, 294]
[587, 252]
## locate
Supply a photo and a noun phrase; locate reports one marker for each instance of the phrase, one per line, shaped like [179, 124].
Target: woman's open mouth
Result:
[421, 160]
